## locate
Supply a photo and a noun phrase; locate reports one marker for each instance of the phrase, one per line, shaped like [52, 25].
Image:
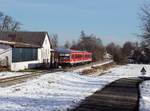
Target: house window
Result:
[24, 54]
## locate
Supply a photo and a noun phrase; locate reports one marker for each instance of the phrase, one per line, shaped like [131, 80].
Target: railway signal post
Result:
[143, 72]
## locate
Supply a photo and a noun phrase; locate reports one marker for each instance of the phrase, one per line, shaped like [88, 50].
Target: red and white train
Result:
[72, 57]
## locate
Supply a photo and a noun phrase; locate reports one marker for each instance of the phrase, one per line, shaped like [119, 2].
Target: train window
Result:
[66, 57]
[64, 54]
[87, 56]
[73, 56]
[76, 56]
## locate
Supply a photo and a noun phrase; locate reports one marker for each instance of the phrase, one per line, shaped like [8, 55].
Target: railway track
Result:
[9, 81]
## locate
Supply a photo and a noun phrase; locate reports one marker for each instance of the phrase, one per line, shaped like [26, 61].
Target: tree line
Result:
[95, 45]
[7, 23]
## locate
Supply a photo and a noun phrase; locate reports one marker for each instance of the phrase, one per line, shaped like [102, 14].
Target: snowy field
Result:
[145, 96]
[61, 90]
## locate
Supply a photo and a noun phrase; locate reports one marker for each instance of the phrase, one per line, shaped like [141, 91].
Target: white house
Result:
[107, 56]
[23, 50]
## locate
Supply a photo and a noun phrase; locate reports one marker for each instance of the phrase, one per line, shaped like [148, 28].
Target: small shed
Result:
[23, 50]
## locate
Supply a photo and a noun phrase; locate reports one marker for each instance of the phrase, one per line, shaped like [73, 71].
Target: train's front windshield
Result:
[64, 56]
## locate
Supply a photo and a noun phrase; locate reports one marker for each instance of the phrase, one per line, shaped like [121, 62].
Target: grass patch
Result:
[99, 69]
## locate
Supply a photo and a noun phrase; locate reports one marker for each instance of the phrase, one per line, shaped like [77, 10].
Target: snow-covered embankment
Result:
[61, 90]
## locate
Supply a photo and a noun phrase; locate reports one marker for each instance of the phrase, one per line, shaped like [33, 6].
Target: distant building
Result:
[23, 50]
[107, 56]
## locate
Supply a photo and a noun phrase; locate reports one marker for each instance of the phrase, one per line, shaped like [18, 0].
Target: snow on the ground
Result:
[145, 96]
[61, 90]
[10, 74]
[130, 70]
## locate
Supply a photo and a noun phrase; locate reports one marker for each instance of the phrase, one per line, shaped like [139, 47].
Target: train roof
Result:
[67, 51]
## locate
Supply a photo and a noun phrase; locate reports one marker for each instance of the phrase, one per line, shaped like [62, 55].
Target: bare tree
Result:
[117, 53]
[54, 39]
[67, 45]
[111, 47]
[145, 36]
[90, 43]
[7, 23]
[145, 19]
[128, 47]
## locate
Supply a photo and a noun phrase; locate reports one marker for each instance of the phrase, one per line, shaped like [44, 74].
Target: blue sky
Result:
[111, 20]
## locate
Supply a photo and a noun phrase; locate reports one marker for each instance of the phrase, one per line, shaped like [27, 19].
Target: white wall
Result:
[24, 65]
[5, 51]
[44, 52]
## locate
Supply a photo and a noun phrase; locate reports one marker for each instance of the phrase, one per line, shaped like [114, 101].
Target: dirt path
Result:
[121, 95]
